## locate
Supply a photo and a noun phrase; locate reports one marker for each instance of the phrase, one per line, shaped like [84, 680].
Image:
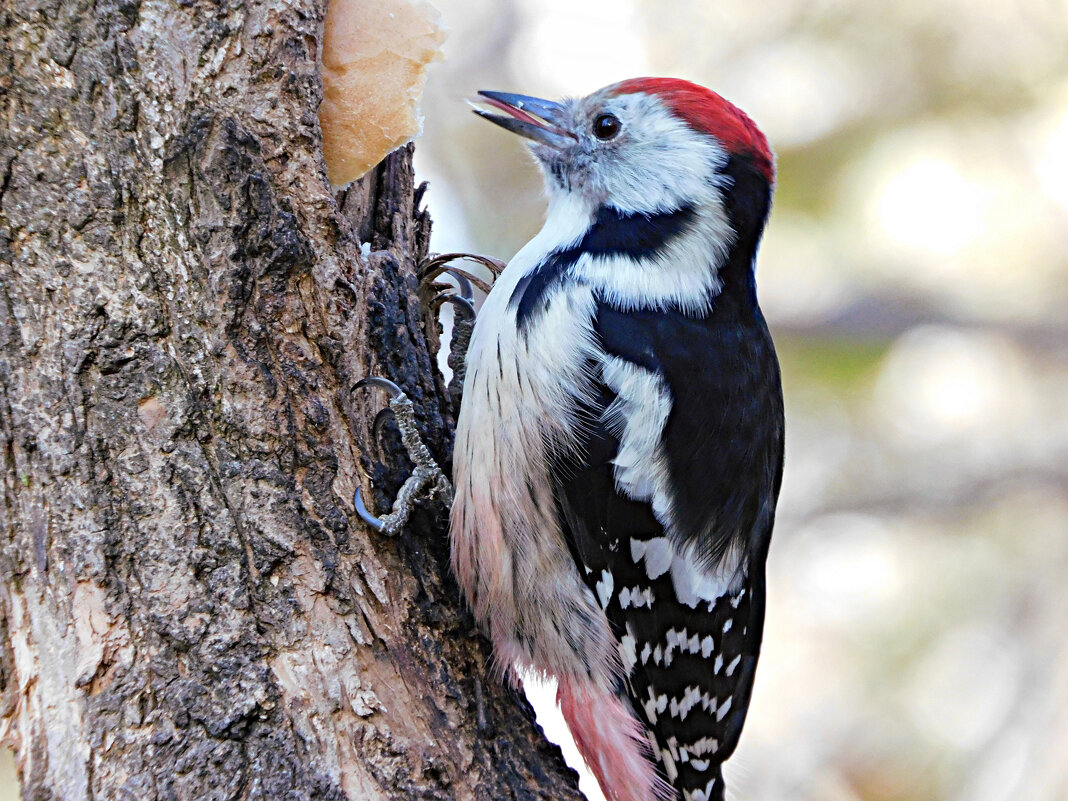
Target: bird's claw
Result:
[380, 383]
[426, 472]
[463, 326]
[462, 284]
[462, 298]
[464, 307]
[436, 265]
[374, 522]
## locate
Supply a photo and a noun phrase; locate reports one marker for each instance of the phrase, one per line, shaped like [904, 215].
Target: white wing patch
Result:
[637, 417]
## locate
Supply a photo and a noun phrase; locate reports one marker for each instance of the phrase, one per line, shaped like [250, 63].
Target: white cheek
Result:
[662, 164]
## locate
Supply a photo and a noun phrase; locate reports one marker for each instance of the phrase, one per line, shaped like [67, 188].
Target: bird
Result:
[619, 445]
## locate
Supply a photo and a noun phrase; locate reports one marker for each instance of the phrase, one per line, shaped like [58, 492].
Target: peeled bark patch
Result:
[375, 55]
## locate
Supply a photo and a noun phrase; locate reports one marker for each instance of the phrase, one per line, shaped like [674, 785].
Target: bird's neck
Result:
[682, 257]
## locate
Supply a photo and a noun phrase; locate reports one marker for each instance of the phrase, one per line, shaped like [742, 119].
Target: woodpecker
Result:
[619, 445]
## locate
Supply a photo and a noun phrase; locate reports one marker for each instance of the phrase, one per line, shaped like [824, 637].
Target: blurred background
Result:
[915, 276]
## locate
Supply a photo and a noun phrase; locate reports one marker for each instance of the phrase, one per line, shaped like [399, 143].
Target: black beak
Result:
[532, 117]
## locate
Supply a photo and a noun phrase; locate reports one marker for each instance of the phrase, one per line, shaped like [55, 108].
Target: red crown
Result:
[709, 113]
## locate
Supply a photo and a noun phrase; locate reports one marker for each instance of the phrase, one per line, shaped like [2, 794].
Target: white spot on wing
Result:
[650, 709]
[723, 709]
[706, 745]
[658, 557]
[670, 770]
[655, 705]
[604, 588]
[704, 795]
[627, 651]
[691, 697]
[689, 701]
[680, 639]
[636, 597]
[694, 583]
[673, 637]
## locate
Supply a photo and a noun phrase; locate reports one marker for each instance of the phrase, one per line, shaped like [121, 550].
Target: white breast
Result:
[520, 397]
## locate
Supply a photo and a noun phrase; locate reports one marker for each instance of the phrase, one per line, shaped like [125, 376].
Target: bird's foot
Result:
[462, 297]
[426, 474]
[433, 267]
[427, 479]
[463, 325]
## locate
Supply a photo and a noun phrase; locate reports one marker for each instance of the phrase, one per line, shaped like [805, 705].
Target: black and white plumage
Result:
[619, 450]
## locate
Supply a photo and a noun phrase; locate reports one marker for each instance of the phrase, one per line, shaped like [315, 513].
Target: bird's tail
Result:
[612, 742]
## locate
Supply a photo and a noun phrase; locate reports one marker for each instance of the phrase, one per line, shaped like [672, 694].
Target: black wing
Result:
[690, 667]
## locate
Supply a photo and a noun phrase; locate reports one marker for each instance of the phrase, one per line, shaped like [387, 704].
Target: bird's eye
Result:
[606, 126]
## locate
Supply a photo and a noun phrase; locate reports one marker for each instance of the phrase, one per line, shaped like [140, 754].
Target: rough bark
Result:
[190, 608]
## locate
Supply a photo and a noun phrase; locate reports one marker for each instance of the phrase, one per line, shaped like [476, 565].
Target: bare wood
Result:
[190, 608]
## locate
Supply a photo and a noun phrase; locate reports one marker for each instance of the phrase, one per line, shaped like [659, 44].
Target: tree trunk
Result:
[191, 609]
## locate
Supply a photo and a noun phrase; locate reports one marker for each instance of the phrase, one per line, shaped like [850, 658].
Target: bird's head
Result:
[644, 145]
